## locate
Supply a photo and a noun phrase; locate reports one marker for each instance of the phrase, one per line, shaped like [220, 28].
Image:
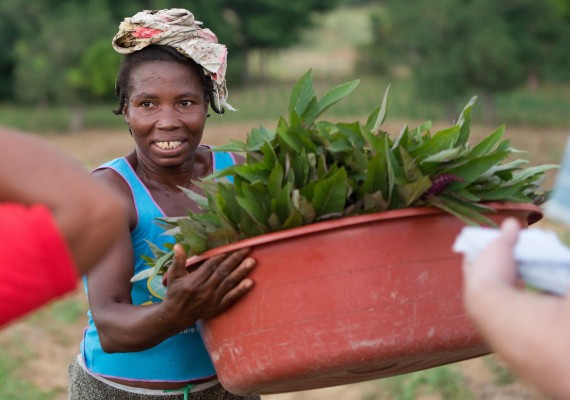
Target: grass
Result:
[13, 388]
[502, 375]
[547, 107]
[444, 382]
[53, 321]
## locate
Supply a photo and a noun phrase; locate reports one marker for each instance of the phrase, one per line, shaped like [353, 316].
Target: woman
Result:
[141, 343]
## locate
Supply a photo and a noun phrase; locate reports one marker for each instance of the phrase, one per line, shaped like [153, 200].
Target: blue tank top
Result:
[181, 357]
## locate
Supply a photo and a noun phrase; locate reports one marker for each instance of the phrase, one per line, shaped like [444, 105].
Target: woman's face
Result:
[166, 111]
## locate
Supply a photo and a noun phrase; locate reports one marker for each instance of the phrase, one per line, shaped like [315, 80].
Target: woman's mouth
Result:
[169, 145]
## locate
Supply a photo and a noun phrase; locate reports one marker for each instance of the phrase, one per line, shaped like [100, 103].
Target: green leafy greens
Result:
[306, 171]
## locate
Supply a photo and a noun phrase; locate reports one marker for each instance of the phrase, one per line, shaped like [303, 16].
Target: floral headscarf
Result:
[177, 28]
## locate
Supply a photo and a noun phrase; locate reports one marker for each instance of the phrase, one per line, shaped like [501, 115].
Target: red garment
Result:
[35, 263]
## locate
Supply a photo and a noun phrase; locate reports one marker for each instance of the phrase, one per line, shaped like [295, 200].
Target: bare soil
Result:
[47, 347]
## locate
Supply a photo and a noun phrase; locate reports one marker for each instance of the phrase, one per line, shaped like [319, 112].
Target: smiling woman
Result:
[142, 341]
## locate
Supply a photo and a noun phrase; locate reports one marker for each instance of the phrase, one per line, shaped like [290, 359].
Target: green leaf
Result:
[259, 137]
[340, 145]
[306, 210]
[466, 195]
[281, 202]
[300, 165]
[533, 172]
[416, 137]
[290, 139]
[476, 211]
[411, 169]
[402, 139]
[155, 250]
[227, 205]
[222, 236]
[410, 192]
[234, 146]
[464, 212]
[489, 143]
[294, 220]
[376, 119]
[509, 167]
[335, 95]
[311, 112]
[354, 132]
[441, 140]
[162, 263]
[144, 274]
[330, 194]
[374, 202]
[445, 155]
[193, 236]
[275, 180]
[376, 142]
[474, 168]
[393, 169]
[251, 172]
[251, 208]
[302, 94]
[376, 176]
[500, 193]
[464, 122]
[202, 201]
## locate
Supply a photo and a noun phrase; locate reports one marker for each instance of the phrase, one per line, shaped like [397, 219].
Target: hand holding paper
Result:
[543, 261]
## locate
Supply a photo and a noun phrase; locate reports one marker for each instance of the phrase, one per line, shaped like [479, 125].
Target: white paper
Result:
[543, 261]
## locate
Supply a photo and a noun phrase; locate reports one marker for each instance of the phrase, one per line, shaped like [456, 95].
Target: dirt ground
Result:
[48, 348]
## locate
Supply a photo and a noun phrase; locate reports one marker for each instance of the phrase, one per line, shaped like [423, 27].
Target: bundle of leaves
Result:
[308, 171]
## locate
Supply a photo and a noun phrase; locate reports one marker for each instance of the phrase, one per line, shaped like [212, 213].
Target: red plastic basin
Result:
[348, 300]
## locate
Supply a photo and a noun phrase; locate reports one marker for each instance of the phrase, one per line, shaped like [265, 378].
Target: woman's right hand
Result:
[207, 290]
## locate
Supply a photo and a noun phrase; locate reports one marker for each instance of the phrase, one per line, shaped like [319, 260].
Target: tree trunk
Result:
[263, 56]
[245, 69]
[489, 112]
[532, 80]
[77, 122]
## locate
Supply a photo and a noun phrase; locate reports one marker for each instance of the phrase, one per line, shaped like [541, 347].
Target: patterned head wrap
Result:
[177, 28]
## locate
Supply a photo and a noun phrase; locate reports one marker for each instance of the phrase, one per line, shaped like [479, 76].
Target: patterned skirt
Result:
[84, 386]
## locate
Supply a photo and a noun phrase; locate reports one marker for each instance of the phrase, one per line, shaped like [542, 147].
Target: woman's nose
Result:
[167, 118]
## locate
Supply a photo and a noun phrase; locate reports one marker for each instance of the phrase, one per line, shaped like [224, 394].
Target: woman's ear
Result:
[125, 112]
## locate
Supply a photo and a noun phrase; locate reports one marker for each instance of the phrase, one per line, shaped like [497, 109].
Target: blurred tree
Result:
[373, 58]
[54, 37]
[267, 25]
[542, 33]
[59, 52]
[8, 36]
[457, 47]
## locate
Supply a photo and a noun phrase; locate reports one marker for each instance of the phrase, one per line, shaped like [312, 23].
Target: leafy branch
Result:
[307, 170]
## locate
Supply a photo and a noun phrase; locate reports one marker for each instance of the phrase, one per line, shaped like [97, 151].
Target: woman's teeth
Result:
[168, 145]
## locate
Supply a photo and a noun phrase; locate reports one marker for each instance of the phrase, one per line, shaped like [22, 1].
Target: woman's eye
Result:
[185, 103]
[146, 104]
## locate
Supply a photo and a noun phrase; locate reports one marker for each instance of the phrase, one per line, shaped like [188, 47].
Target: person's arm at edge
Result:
[530, 331]
[87, 213]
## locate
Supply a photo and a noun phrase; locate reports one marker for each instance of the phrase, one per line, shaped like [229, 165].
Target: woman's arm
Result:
[530, 331]
[201, 293]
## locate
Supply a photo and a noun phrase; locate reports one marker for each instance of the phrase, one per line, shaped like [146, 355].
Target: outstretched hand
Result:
[495, 264]
[209, 289]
